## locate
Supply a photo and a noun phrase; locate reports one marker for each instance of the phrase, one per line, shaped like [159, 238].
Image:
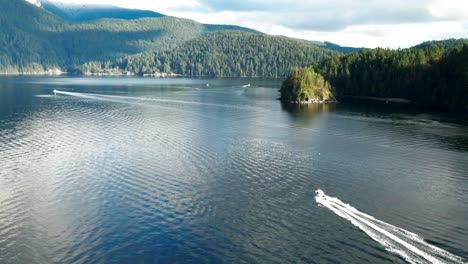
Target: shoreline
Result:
[130, 74]
[311, 101]
[46, 73]
[381, 99]
[314, 102]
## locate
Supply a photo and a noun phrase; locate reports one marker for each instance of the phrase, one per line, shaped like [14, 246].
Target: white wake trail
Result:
[408, 245]
[126, 99]
[82, 95]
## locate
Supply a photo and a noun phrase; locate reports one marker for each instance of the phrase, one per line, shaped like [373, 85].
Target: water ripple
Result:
[212, 175]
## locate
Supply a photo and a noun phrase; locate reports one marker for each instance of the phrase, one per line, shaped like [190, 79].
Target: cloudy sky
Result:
[358, 23]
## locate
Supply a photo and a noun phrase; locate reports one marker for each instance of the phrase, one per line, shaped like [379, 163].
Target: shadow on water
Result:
[446, 130]
[396, 109]
[379, 108]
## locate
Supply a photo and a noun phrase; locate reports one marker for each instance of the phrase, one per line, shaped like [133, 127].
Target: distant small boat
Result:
[55, 91]
[247, 85]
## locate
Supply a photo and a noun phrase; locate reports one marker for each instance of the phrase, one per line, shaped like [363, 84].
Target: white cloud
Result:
[449, 9]
[371, 35]
[395, 36]
[368, 23]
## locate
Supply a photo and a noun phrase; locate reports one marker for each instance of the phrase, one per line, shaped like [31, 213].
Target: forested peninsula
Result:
[433, 74]
[305, 85]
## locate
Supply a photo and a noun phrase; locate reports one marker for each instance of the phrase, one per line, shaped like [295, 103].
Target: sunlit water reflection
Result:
[172, 170]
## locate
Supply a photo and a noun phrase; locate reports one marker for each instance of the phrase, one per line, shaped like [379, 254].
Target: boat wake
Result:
[90, 96]
[409, 246]
[127, 99]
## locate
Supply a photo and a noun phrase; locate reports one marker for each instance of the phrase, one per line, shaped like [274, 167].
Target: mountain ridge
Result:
[39, 40]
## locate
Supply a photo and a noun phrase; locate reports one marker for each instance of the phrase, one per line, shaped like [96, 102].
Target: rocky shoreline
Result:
[315, 101]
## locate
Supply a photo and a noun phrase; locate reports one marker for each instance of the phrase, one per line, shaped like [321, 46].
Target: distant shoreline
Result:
[167, 75]
[45, 73]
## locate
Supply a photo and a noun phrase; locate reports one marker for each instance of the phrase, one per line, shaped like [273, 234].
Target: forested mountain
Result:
[37, 40]
[223, 54]
[38, 37]
[443, 44]
[81, 12]
[435, 74]
[23, 39]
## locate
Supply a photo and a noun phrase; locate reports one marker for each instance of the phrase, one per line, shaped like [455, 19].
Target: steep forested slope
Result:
[32, 38]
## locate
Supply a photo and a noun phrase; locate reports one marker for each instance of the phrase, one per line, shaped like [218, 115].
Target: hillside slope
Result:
[39, 40]
[23, 41]
[226, 54]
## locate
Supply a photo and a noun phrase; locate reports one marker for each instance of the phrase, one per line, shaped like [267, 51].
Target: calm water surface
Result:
[121, 170]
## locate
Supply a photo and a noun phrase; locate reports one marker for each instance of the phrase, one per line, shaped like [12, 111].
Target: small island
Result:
[306, 86]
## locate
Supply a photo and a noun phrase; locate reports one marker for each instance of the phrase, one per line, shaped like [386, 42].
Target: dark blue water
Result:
[127, 170]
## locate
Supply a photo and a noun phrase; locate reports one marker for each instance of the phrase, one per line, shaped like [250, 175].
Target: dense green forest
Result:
[443, 44]
[305, 85]
[433, 74]
[37, 41]
[222, 54]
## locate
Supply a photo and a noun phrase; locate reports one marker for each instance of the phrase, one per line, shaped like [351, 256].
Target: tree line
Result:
[434, 74]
